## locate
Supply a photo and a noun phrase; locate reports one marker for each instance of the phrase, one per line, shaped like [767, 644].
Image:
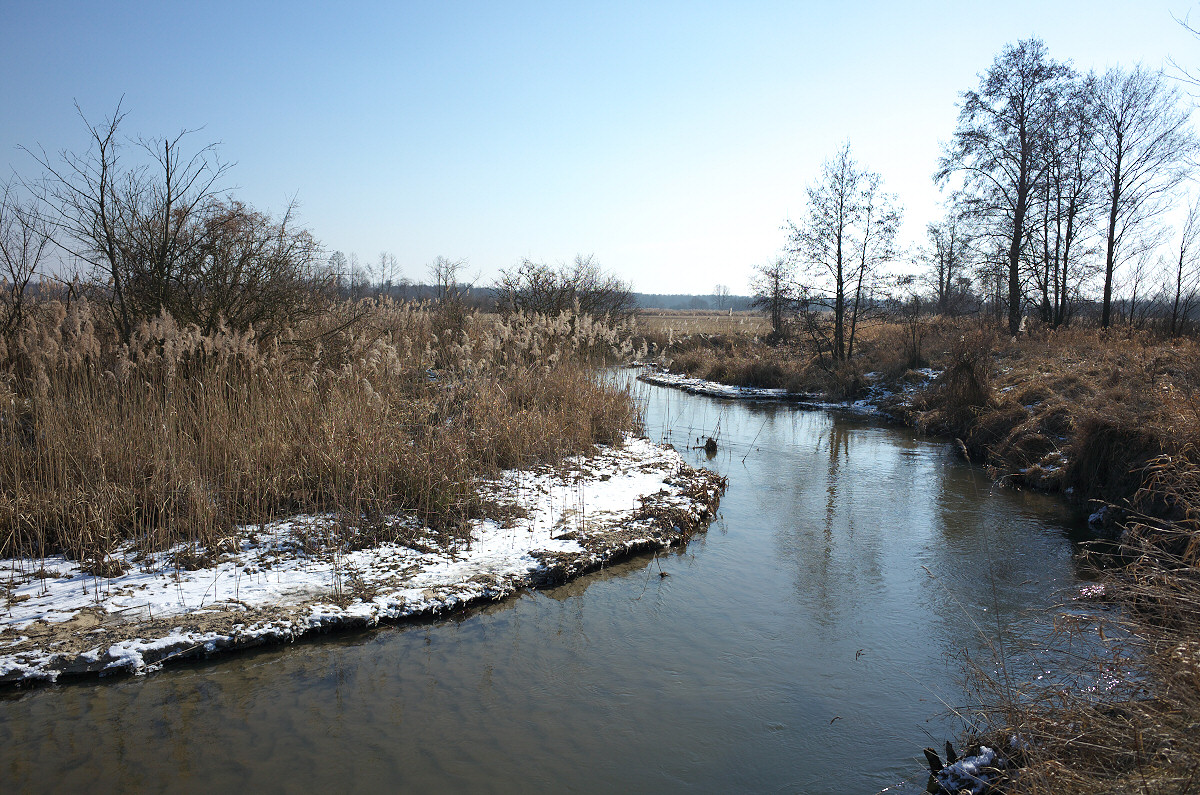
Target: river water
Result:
[811, 641]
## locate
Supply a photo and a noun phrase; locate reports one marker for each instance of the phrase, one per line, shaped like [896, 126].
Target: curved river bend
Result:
[806, 643]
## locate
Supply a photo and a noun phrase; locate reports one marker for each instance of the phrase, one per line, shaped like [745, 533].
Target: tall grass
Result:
[373, 408]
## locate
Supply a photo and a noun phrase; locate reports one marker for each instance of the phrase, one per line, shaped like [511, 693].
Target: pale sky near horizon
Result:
[670, 140]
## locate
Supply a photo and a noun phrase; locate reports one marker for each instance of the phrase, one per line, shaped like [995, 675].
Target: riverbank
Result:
[1110, 421]
[293, 577]
[881, 396]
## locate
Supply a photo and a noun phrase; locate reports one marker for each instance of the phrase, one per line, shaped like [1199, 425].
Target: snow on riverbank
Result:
[878, 394]
[277, 584]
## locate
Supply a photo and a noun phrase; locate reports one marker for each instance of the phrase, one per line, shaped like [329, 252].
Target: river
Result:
[811, 641]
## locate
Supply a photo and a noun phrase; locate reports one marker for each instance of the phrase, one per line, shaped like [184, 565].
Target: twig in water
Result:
[755, 439]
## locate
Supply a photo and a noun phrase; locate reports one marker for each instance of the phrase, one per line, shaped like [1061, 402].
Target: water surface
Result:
[808, 642]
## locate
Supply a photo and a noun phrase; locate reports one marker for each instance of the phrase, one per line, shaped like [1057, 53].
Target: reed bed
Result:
[373, 408]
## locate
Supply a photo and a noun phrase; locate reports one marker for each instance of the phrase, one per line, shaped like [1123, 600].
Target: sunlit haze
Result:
[670, 140]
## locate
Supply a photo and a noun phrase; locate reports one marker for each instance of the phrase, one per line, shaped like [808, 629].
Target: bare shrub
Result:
[583, 287]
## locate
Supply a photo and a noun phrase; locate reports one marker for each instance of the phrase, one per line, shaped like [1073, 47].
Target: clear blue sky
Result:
[670, 140]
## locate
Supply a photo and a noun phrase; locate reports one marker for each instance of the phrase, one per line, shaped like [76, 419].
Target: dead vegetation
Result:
[1122, 711]
[371, 408]
[739, 349]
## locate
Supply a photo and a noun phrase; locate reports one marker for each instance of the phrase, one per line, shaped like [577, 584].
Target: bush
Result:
[582, 288]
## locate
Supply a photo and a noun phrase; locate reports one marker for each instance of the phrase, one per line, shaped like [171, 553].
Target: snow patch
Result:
[269, 588]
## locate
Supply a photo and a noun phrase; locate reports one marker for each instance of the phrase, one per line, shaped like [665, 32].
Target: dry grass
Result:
[1122, 713]
[1111, 418]
[735, 350]
[681, 323]
[1069, 409]
[181, 436]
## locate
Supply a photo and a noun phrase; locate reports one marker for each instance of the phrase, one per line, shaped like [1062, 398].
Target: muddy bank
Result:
[280, 581]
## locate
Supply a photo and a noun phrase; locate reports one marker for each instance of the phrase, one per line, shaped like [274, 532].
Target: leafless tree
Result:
[879, 217]
[25, 240]
[1138, 280]
[387, 272]
[247, 269]
[1145, 148]
[720, 296]
[948, 256]
[1182, 287]
[582, 286]
[998, 146]
[1185, 73]
[445, 277]
[776, 293]
[130, 223]
[1066, 204]
[992, 276]
[848, 231]
[908, 307]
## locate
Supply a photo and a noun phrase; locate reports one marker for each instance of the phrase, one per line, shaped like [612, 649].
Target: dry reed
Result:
[373, 408]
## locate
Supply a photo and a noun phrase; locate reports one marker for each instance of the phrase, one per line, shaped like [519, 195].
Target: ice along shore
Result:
[278, 582]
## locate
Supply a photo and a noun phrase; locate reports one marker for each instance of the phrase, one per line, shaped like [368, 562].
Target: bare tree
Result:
[387, 272]
[720, 296]
[823, 240]
[1138, 282]
[907, 307]
[879, 217]
[848, 231]
[131, 224]
[948, 255]
[992, 276]
[776, 293]
[1183, 283]
[582, 286]
[248, 270]
[1066, 203]
[1187, 75]
[998, 148]
[24, 242]
[1144, 147]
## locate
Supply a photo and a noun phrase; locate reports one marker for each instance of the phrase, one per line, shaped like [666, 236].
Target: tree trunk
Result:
[1106, 311]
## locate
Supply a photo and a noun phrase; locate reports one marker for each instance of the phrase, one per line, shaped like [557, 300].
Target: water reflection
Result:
[801, 645]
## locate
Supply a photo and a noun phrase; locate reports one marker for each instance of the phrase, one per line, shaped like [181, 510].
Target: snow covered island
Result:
[279, 582]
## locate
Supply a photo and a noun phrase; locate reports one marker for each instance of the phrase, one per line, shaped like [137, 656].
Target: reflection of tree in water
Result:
[839, 445]
[836, 491]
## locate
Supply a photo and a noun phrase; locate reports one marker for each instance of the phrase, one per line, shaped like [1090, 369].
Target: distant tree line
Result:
[719, 302]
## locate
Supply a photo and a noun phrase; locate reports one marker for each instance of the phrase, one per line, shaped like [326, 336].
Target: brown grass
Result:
[1111, 418]
[180, 436]
[1070, 409]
